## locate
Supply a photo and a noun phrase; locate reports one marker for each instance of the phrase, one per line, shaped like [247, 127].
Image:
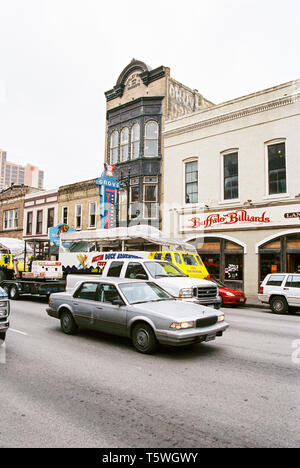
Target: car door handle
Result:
[99, 308]
[75, 303]
[286, 289]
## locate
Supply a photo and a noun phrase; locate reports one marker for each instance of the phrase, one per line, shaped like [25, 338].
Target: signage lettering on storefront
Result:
[239, 219]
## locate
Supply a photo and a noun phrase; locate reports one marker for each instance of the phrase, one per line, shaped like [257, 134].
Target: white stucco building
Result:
[232, 184]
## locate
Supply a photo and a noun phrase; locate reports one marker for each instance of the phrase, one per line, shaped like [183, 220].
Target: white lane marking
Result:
[18, 331]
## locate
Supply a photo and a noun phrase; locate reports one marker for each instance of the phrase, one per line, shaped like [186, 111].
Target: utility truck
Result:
[34, 274]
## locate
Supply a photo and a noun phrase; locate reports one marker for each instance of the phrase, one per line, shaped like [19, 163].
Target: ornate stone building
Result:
[137, 107]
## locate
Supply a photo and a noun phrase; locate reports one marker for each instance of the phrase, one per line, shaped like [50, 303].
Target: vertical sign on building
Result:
[108, 186]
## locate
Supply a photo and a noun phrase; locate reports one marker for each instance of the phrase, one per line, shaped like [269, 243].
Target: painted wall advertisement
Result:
[108, 186]
[286, 215]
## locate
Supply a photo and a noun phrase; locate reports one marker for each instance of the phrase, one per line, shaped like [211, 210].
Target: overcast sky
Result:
[58, 57]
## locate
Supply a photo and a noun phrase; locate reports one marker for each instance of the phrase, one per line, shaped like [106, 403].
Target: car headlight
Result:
[229, 293]
[182, 325]
[186, 292]
[221, 318]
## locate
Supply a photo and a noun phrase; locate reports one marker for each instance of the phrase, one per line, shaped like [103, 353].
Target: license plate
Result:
[210, 337]
[242, 300]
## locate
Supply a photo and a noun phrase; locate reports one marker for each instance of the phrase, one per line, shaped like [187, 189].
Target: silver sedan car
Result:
[140, 310]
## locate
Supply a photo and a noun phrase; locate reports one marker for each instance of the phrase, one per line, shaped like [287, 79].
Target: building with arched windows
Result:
[137, 107]
[232, 184]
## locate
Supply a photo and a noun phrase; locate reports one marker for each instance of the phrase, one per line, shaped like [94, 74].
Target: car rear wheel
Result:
[67, 323]
[13, 293]
[279, 305]
[144, 339]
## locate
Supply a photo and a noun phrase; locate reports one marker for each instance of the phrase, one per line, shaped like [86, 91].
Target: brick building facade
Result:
[12, 210]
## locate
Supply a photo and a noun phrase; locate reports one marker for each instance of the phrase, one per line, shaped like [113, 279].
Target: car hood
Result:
[233, 291]
[176, 310]
[173, 284]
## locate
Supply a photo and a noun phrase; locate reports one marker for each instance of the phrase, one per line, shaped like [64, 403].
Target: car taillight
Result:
[261, 290]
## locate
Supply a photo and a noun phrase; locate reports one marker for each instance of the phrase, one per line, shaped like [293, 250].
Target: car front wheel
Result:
[144, 339]
[279, 305]
[67, 323]
[13, 292]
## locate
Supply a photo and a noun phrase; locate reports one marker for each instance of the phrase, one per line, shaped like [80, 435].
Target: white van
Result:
[165, 274]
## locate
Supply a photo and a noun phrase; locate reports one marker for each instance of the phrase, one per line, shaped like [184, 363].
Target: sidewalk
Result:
[253, 301]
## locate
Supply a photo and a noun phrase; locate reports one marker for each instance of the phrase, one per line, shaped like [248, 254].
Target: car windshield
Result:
[218, 282]
[137, 293]
[162, 269]
[189, 259]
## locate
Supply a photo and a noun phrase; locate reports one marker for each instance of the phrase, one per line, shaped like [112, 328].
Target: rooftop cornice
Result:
[245, 112]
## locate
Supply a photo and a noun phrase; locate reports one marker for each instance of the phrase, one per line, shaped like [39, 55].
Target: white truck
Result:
[165, 274]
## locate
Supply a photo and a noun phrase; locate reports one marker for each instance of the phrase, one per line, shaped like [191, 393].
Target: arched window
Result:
[151, 139]
[124, 144]
[135, 141]
[114, 147]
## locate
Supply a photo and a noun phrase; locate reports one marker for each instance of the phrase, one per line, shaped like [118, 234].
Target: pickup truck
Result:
[165, 274]
[4, 314]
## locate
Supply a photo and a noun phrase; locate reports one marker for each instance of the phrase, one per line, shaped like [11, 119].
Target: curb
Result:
[258, 306]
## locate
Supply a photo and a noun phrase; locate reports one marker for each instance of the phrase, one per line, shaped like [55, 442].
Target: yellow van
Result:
[190, 263]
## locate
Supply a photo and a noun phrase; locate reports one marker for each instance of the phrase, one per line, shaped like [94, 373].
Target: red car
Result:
[229, 296]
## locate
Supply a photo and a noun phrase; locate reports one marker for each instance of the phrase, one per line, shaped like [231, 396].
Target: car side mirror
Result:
[118, 302]
[141, 276]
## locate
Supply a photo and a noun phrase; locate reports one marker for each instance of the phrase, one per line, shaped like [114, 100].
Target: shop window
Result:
[114, 147]
[212, 264]
[191, 182]
[231, 177]
[293, 241]
[234, 267]
[277, 168]
[124, 144]
[232, 246]
[276, 244]
[135, 141]
[151, 139]
[269, 263]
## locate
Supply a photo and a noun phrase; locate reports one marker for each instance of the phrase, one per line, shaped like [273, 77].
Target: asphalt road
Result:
[94, 390]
